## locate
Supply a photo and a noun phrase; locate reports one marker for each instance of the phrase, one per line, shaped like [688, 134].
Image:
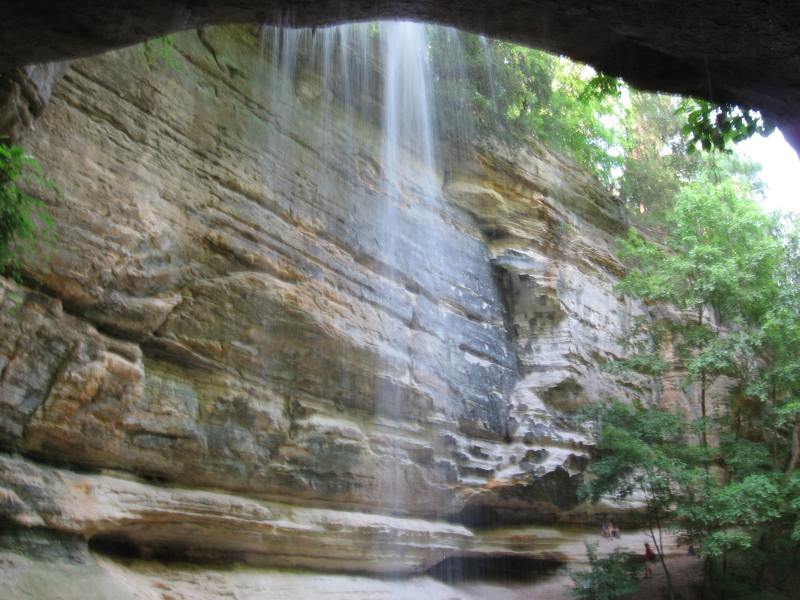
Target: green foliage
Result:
[646, 363]
[23, 219]
[788, 412]
[655, 161]
[601, 86]
[513, 92]
[733, 273]
[780, 337]
[724, 517]
[610, 577]
[658, 163]
[720, 252]
[641, 452]
[715, 127]
[162, 51]
[645, 454]
[639, 144]
[717, 265]
[742, 457]
[793, 494]
[642, 145]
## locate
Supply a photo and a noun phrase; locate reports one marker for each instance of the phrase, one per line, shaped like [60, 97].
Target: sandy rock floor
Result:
[94, 576]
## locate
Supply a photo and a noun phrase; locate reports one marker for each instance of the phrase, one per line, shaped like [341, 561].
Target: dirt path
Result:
[686, 574]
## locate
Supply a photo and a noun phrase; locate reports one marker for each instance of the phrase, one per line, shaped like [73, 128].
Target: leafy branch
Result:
[24, 220]
[716, 127]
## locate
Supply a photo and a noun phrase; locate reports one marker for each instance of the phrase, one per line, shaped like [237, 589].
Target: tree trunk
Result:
[795, 448]
[660, 550]
[724, 577]
[708, 569]
[703, 387]
[703, 407]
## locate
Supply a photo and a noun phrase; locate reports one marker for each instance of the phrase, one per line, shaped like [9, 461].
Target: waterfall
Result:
[373, 86]
[407, 107]
[391, 61]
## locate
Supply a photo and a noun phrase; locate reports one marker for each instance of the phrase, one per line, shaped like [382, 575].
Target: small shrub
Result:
[161, 50]
[24, 222]
[612, 577]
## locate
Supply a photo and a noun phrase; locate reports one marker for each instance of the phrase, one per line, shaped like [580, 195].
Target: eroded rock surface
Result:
[236, 313]
[145, 521]
[24, 94]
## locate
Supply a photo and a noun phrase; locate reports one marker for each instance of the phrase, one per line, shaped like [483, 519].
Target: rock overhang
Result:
[746, 52]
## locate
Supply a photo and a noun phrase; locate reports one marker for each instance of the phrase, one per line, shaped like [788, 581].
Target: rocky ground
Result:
[65, 572]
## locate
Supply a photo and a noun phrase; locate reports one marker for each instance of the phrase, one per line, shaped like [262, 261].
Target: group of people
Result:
[610, 530]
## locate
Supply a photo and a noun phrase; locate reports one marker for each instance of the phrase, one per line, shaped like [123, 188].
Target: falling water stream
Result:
[407, 106]
[378, 73]
[328, 83]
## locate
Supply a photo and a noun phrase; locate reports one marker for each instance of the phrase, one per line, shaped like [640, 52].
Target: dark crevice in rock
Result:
[172, 351]
[529, 501]
[118, 545]
[479, 517]
[115, 545]
[55, 458]
[567, 397]
[493, 567]
[505, 293]
[39, 287]
[122, 547]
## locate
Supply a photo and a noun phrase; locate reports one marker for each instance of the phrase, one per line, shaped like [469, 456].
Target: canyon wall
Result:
[242, 348]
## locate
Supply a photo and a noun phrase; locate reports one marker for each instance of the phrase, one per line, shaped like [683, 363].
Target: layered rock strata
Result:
[245, 345]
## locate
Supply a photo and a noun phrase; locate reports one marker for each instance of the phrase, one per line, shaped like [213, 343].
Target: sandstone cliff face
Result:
[239, 348]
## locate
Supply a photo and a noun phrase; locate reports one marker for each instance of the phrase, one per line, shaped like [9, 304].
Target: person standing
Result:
[614, 531]
[649, 556]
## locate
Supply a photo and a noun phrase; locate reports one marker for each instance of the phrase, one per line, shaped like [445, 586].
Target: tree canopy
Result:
[723, 287]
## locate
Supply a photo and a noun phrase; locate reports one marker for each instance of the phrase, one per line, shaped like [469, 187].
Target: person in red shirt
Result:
[649, 556]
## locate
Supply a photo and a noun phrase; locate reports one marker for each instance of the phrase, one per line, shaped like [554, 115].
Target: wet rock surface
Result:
[231, 352]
